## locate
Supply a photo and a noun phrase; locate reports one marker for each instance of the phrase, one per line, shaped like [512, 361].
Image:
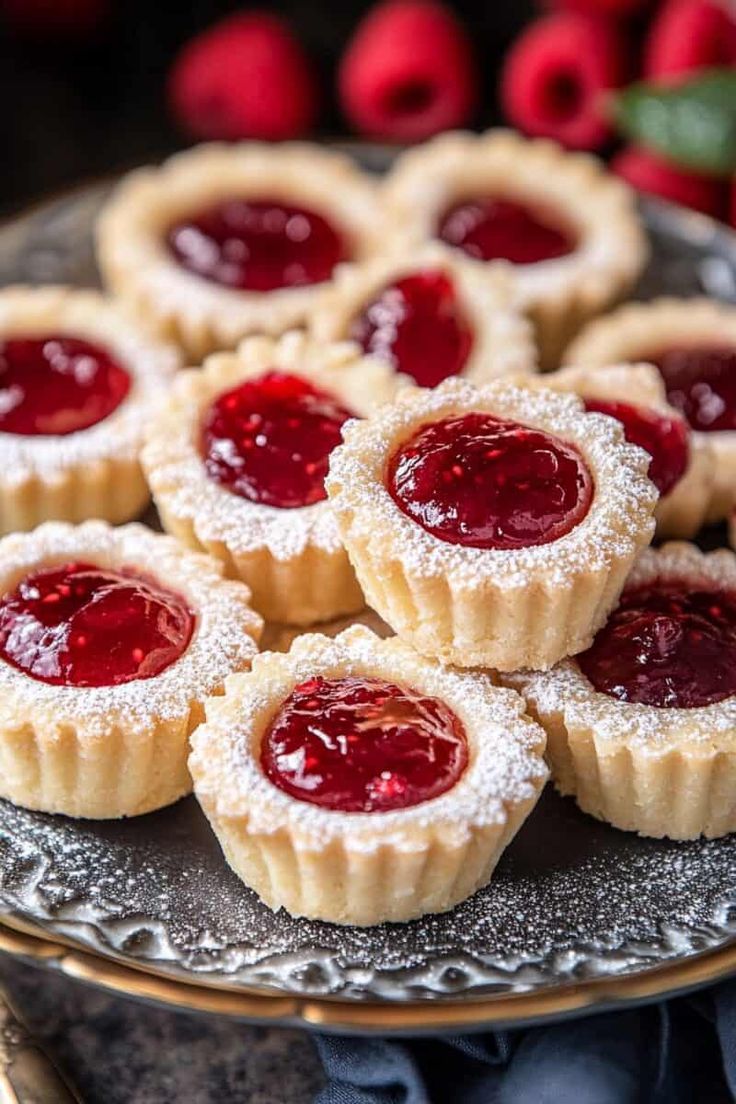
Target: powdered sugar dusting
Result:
[174, 464]
[503, 338]
[571, 899]
[611, 245]
[85, 314]
[506, 765]
[222, 642]
[565, 691]
[617, 524]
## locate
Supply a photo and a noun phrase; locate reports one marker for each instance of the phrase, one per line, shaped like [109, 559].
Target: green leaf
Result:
[692, 124]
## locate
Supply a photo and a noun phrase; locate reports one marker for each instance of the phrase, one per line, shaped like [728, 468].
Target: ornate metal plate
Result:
[572, 900]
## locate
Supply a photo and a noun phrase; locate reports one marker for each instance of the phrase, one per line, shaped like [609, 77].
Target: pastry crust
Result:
[198, 314]
[365, 868]
[659, 772]
[560, 294]
[115, 751]
[292, 560]
[503, 342]
[486, 607]
[682, 512]
[94, 472]
[638, 330]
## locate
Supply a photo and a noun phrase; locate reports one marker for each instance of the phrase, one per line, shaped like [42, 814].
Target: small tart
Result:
[407, 814]
[682, 468]
[692, 342]
[431, 317]
[77, 385]
[95, 719]
[226, 240]
[569, 229]
[646, 738]
[491, 526]
[285, 546]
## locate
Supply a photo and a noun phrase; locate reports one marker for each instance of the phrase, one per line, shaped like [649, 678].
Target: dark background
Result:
[76, 106]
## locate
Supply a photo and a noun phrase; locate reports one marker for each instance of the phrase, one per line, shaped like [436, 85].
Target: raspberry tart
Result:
[77, 385]
[227, 240]
[642, 725]
[491, 526]
[692, 343]
[682, 467]
[418, 778]
[110, 640]
[431, 316]
[237, 458]
[568, 229]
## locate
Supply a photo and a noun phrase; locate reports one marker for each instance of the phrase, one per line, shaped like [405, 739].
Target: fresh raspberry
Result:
[555, 77]
[47, 18]
[614, 8]
[245, 77]
[690, 34]
[649, 173]
[408, 71]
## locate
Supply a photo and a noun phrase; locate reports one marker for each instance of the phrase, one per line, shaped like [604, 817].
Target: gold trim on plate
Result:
[17, 937]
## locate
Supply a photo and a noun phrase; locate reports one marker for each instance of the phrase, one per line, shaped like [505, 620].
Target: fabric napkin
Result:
[677, 1052]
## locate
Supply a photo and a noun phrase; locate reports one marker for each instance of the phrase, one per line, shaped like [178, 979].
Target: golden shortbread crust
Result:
[365, 868]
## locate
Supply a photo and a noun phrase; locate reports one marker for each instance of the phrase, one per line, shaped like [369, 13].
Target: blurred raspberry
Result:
[246, 77]
[732, 208]
[690, 34]
[556, 75]
[47, 18]
[648, 173]
[613, 8]
[408, 71]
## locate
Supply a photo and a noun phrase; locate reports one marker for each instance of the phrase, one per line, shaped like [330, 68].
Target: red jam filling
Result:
[494, 229]
[701, 382]
[257, 245]
[56, 385]
[269, 440]
[665, 439]
[82, 625]
[667, 644]
[418, 326]
[362, 745]
[482, 482]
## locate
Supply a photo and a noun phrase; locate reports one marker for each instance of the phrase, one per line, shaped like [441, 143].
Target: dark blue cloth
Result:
[679, 1052]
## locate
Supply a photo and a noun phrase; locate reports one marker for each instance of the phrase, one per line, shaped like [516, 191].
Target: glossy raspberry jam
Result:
[701, 382]
[269, 440]
[56, 385]
[418, 326]
[478, 481]
[665, 439]
[81, 625]
[667, 644]
[257, 245]
[495, 229]
[362, 745]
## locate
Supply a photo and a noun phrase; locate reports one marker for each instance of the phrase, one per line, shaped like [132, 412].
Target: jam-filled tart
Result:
[110, 641]
[354, 781]
[430, 315]
[237, 457]
[222, 241]
[78, 382]
[494, 525]
[641, 726]
[692, 343]
[568, 229]
[682, 466]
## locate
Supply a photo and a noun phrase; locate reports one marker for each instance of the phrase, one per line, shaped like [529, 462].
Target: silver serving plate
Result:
[573, 901]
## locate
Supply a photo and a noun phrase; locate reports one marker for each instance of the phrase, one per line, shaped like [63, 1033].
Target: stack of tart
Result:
[361, 464]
